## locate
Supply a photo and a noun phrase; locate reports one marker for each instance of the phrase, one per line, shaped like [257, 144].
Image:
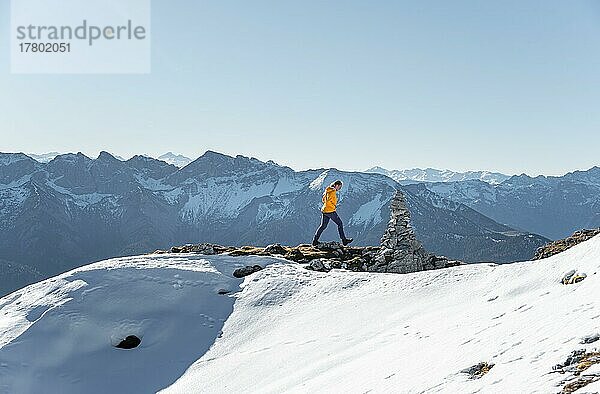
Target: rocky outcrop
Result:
[478, 370]
[561, 245]
[575, 366]
[323, 257]
[400, 250]
[572, 277]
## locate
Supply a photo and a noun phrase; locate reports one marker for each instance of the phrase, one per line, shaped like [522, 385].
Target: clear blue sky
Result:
[512, 86]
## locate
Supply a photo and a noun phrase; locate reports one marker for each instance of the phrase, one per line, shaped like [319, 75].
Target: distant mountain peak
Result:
[105, 156]
[70, 157]
[10, 158]
[175, 159]
[435, 175]
[43, 157]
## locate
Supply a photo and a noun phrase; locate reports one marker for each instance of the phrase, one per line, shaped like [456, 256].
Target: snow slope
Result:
[296, 330]
[57, 336]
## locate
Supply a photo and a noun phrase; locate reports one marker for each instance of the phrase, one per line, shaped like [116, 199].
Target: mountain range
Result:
[551, 206]
[75, 209]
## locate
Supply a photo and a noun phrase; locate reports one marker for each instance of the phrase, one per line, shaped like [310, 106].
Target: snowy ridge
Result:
[43, 157]
[294, 330]
[434, 175]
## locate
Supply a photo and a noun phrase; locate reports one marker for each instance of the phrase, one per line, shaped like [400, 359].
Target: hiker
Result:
[328, 213]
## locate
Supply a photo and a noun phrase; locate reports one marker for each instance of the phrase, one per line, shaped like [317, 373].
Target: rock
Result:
[590, 338]
[561, 245]
[570, 363]
[129, 343]
[223, 291]
[572, 277]
[275, 249]
[204, 248]
[247, 270]
[478, 370]
[583, 381]
[294, 255]
[576, 364]
[332, 246]
[321, 265]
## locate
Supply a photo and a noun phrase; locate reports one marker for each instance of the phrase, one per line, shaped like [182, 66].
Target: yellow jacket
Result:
[329, 200]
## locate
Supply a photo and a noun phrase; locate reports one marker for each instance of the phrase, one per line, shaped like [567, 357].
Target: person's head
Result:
[337, 185]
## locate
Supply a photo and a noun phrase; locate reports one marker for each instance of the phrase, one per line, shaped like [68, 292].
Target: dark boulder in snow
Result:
[247, 270]
[478, 370]
[572, 277]
[590, 338]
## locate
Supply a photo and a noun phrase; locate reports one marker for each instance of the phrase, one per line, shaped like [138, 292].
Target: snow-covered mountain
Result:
[433, 175]
[43, 157]
[472, 328]
[75, 209]
[554, 206]
[174, 159]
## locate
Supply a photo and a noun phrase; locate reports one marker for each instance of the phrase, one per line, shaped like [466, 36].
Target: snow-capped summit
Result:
[434, 175]
[174, 159]
[471, 328]
[43, 157]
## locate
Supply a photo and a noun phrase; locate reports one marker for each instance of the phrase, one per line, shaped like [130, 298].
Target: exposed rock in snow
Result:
[478, 370]
[247, 270]
[576, 366]
[563, 244]
[572, 277]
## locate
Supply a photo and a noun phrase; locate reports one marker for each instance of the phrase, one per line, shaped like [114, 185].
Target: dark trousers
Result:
[325, 221]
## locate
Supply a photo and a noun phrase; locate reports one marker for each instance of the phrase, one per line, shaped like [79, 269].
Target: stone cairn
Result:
[400, 250]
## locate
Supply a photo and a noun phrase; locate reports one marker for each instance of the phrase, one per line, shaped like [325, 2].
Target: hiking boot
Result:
[346, 241]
